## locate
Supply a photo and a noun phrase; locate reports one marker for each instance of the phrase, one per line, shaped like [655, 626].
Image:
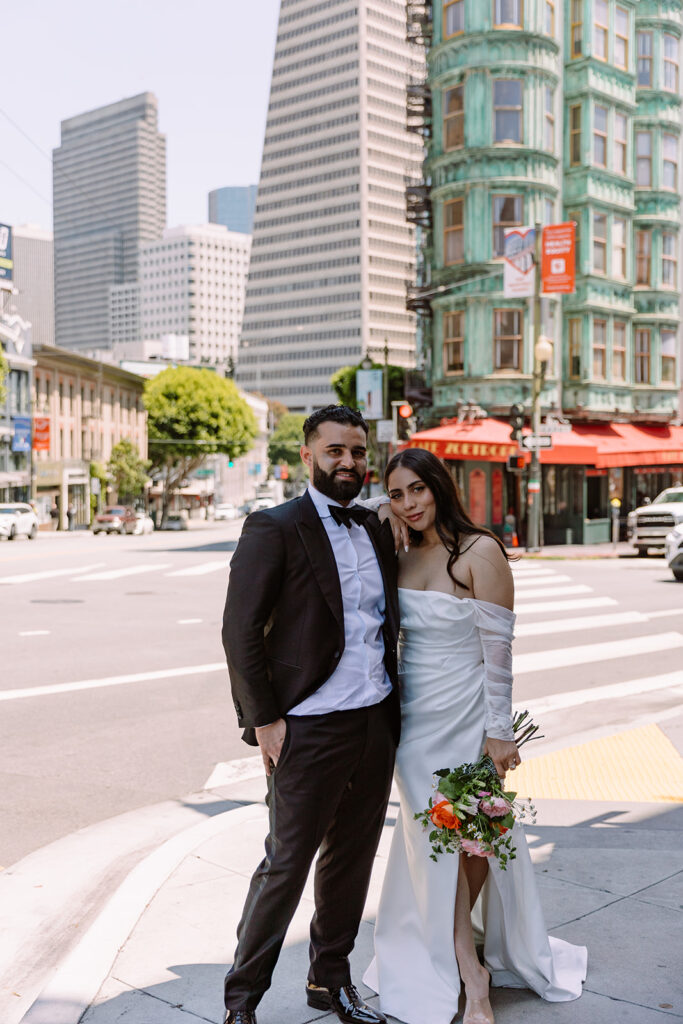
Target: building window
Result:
[644, 68]
[454, 117]
[575, 135]
[454, 231]
[619, 351]
[507, 13]
[621, 38]
[577, 28]
[549, 120]
[548, 211]
[453, 18]
[643, 252]
[669, 261]
[643, 158]
[508, 339]
[575, 217]
[668, 357]
[599, 243]
[670, 168]
[507, 213]
[575, 348]
[620, 143]
[670, 62]
[600, 136]
[507, 110]
[599, 348]
[549, 21]
[601, 30]
[642, 357]
[454, 343]
[619, 247]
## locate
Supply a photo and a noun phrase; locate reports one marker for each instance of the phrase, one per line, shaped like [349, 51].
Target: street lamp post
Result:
[542, 353]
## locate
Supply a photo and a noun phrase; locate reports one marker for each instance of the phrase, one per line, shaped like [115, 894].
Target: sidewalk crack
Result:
[167, 1002]
[632, 1002]
[629, 896]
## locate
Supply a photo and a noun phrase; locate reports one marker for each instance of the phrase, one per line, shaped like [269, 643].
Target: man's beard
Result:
[333, 487]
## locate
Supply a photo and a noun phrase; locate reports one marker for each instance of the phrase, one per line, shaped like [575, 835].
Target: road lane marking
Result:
[565, 606]
[201, 569]
[611, 691]
[530, 573]
[35, 632]
[544, 581]
[240, 770]
[579, 623]
[96, 684]
[30, 577]
[115, 574]
[554, 592]
[588, 654]
[188, 622]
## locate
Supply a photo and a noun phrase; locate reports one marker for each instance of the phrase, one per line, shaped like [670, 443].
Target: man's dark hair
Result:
[332, 414]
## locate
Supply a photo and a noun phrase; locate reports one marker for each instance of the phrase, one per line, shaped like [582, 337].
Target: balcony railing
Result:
[418, 203]
[419, 22]
[419, 108]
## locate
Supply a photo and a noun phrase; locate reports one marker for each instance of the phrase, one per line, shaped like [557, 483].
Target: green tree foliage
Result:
[286, 440]
[344, 383]
[99, 472]
[4, 371]
[191, 414]
[127, 470]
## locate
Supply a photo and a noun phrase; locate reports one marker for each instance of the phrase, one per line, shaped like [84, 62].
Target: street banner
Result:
[21, 438]
[518, 267]
[558, 261]
[41, 433]
[6, 263]
[370, 394]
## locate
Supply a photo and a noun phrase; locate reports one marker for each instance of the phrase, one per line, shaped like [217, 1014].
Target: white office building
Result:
[331, 250]
[33, 298]
[192, 283]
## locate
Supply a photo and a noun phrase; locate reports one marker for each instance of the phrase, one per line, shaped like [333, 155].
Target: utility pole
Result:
[534, 483]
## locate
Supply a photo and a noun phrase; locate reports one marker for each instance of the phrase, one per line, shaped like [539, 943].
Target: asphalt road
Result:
[95, 611]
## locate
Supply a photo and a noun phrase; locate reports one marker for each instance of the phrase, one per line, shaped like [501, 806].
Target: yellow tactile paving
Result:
[637, 765]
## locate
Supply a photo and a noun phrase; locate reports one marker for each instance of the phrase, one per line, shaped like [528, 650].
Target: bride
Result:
[456, 596]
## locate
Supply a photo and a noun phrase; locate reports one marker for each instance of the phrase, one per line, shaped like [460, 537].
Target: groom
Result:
[309, 630]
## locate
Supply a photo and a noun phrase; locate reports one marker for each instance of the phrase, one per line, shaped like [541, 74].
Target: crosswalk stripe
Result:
[46, 574]
[580, 623]
[115, 574]
[201, 569]
[96, 684]
[584, 654]
[579, 588]
[544, 581]
[576, 604]
[626, 688]
[528, 573]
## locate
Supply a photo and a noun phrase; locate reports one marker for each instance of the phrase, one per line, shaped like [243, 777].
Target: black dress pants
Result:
[329, 792]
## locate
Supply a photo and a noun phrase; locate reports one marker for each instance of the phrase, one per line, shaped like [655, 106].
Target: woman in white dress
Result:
[456, 596]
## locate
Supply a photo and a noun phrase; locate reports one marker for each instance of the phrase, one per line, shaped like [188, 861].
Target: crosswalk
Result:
[97, 572]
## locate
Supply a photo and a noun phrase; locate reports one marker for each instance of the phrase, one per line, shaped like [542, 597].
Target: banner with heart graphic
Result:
[518, 267]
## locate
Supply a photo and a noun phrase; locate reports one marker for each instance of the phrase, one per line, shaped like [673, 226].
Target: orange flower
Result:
[501, 829]
[442, 815]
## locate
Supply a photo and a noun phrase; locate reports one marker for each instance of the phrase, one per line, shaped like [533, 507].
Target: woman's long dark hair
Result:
[452, 522]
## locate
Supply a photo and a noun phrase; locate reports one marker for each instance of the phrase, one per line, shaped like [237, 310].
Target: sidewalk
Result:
[155, 950]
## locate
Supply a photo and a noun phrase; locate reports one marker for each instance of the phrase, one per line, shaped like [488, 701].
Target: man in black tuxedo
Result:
[310, 628]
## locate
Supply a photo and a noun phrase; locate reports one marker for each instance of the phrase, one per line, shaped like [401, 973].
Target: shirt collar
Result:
[321, 502]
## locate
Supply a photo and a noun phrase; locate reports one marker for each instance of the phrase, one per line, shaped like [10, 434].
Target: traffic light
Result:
[516, 421]
[231, 463]
[516, 463]
[405, 421]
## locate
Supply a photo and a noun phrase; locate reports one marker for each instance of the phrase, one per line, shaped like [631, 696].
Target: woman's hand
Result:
[503, 753]
[398, 527]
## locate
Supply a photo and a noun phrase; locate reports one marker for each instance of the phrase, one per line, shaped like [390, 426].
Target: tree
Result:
[344, 383]
[191, 414]
[4, 371]
[127, 470]
[286, 440]
[98, 492]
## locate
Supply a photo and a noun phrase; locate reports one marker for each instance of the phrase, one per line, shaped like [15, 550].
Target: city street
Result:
[115, 695]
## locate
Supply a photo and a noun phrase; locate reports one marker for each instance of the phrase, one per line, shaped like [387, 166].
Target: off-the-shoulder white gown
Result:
[455, 660]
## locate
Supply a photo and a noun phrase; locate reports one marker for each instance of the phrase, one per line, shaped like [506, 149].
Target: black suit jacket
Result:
[283, 625]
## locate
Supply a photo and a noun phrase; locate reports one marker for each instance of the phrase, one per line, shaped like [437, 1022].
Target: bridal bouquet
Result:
[475, 814]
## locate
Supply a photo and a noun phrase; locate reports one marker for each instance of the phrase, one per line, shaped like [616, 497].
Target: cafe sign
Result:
[469, 451]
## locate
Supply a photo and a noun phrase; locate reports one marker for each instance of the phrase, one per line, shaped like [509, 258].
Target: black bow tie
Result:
[346, 516]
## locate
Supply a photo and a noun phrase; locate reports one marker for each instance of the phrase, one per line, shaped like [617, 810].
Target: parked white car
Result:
[648, 526]
[18, 520]
[674, 552]
[225, 510]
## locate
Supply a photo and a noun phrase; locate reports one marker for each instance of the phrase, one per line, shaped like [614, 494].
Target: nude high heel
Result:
[478, 1009]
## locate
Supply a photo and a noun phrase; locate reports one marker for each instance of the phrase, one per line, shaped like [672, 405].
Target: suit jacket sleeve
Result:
[256, 574]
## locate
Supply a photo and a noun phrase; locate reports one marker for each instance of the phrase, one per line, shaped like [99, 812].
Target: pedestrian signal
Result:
[516, 463]
[405, 410]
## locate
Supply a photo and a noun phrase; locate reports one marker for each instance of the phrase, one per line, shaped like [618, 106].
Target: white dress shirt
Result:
[360, 679]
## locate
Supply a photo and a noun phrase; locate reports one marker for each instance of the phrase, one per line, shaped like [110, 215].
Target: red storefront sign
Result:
[558, 262]
[41, 433]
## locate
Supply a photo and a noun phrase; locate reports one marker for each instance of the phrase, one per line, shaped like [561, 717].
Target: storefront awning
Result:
[602, 445]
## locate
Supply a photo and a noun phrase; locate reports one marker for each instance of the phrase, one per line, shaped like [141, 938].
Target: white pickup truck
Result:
[648, 526]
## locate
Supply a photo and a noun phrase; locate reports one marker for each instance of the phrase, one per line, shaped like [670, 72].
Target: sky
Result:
[207, 61]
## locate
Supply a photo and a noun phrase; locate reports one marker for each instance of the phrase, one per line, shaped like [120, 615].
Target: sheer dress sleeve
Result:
[496, 626]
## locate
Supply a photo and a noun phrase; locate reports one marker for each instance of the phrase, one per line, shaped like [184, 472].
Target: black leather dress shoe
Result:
[240, 1017]
[345, 1002]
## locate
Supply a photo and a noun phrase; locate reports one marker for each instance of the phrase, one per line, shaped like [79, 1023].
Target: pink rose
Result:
[498, 807]
[475, 848]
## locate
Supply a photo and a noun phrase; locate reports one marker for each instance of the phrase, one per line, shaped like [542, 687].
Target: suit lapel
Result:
[386, 558]
[319, 550]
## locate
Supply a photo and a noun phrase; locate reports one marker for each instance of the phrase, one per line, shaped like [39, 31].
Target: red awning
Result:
[599, 444]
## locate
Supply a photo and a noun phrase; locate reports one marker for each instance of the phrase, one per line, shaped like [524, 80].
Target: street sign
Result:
[385, 431]
[551, 426]
[534, 442]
